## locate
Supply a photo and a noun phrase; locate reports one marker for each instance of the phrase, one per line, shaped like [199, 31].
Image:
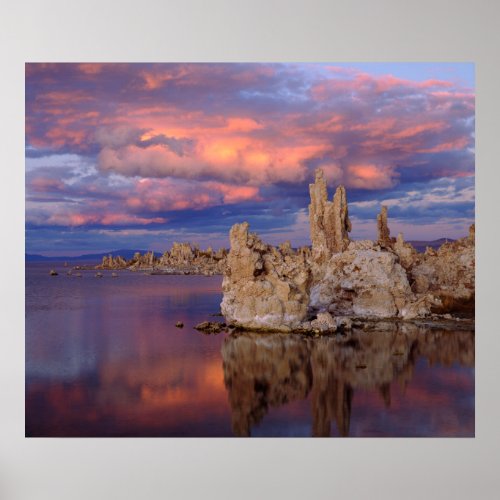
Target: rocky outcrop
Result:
[352, 278]
[283, 289]
[182, 258]
[363, 283]
[110, 262]
[180, 254]
[472, 234]
[340, 220]
[191, 260]
[329, 220]
[264, 287]
[383, 232]
[448, 273]
[211, 327]
[405, 251]
[146, 261]
[324, 322]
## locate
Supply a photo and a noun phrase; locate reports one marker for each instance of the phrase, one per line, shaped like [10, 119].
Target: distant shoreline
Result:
[419, 245]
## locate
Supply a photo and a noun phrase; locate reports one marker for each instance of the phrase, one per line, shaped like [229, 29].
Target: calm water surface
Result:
[104, 358]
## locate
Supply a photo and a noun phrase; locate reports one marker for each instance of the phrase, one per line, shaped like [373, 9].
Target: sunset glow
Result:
[141, 155]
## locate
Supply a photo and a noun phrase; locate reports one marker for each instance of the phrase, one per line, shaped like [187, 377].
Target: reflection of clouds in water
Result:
[117, 366]
[262, 371]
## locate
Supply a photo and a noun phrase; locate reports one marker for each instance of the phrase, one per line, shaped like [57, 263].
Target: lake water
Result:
[104, 358]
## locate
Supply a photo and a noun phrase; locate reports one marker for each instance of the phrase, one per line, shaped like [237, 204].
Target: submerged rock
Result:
[343, 322]
[210, 327]
[324, 322]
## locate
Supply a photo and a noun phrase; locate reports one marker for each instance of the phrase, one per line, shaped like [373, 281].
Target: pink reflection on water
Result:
[103, 358]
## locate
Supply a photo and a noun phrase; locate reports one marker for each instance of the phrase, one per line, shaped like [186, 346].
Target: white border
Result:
[253, 30]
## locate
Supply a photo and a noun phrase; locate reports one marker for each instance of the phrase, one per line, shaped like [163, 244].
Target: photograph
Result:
[250, 249]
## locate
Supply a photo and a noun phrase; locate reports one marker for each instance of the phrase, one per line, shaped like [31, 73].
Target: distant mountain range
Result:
[97, 257]
[126, 253]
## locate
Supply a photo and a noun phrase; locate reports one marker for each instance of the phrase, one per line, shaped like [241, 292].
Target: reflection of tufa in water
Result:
[269, 370]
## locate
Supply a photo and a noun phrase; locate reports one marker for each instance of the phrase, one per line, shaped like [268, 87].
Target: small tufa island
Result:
[337, 281]
[182, 258]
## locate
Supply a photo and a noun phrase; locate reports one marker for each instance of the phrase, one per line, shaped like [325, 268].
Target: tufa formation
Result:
[182, 258]
[264, 287]
[283, 289]
[329, 220]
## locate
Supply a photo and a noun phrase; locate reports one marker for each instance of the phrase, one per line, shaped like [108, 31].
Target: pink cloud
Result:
[236, 194]
[352, 120]
[156, 195]
[106, 219]
[45, 185]
[153, 80]
[63, 97]
[91, 68]
[413, 130]
[457, 144]
[434, 83]
[370, 176]
[242, 124]
[223, 154]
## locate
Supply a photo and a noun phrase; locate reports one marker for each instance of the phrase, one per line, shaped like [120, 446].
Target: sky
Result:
[138, 156]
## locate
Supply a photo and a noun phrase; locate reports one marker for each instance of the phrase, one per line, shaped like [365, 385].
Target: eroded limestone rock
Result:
[338, 214]
[110, 262]
[182, 258]
[420, 307]
[329, 220]
[448, 273]
[324, 322]
[280, 288]
[405, 251]
[383, 231]
[472, 234]
[365, 283]
[263, 288]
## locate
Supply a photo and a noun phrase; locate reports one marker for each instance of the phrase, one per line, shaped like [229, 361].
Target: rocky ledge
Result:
[324, 286]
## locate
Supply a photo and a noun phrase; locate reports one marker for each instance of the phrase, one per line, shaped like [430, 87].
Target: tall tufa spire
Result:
[329, 220]
[383, 231]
